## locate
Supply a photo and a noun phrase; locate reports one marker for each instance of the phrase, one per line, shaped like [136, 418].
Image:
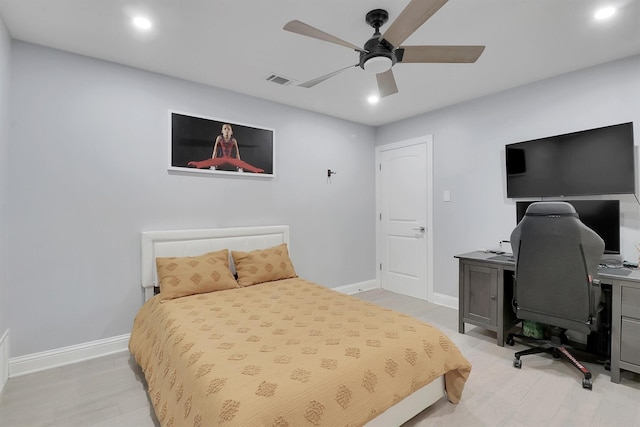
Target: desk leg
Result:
[500, 308]
[615, 373]
[460, 298]
[616, 326]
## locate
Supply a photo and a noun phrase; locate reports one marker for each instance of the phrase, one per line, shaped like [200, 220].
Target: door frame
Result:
[428, 141]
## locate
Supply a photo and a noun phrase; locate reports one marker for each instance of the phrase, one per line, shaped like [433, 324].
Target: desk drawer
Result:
[631, 302]
[630, 341]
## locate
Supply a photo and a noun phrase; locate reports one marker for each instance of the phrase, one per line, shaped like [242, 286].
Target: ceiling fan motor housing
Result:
[378, 55]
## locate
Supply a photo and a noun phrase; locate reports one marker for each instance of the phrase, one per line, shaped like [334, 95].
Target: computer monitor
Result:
[602, 216]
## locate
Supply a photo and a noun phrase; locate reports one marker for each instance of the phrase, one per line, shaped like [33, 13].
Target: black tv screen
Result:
[602, 216]
[589, 162]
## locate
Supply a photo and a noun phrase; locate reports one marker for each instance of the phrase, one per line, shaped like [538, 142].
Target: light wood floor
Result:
[110, 391]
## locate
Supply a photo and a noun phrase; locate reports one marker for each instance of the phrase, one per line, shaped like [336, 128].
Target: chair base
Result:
[557, 349]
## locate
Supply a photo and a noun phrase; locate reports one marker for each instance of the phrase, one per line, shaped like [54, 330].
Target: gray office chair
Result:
[556, 284]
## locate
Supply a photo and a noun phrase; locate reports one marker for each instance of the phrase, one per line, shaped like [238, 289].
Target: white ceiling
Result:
[237, 44]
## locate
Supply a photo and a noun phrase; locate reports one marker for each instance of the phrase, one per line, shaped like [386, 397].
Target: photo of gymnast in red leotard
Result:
[223, 151]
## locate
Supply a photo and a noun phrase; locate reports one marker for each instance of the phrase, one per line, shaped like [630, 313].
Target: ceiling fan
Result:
[383, 51]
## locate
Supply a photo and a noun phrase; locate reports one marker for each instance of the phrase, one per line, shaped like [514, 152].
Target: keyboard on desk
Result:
[613, 269]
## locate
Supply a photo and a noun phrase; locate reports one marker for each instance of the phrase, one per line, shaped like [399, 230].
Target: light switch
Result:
[446, 196]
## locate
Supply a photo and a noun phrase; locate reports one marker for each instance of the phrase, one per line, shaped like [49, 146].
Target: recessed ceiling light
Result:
[604, 13]
[142, 23]
[373, 99]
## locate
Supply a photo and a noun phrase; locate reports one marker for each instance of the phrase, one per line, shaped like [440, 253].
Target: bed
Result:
[283, 352]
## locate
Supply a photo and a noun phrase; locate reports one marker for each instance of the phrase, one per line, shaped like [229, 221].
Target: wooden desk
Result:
[486, 292]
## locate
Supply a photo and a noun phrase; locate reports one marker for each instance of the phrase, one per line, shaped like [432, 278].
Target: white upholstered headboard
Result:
[197, 242]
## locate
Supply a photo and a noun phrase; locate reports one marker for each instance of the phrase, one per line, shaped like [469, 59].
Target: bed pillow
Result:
[182, 276]
[264, 265]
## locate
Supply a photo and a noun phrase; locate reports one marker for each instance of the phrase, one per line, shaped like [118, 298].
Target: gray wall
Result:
[5, 52]
[469, 142]
[88, 149]
[89, 143]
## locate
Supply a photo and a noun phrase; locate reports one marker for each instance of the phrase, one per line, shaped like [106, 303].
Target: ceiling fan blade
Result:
[386, 83]
[410, 19]
[441, 54]
[320, 79]
[301, 28]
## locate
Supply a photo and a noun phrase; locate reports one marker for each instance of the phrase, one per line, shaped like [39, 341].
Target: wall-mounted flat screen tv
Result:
[602, 216]
[589, 162]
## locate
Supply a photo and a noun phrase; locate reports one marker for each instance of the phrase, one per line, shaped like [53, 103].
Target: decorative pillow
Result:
[182, 276]
[264, 265]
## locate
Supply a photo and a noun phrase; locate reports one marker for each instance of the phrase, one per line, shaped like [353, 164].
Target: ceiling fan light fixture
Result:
[378, 64]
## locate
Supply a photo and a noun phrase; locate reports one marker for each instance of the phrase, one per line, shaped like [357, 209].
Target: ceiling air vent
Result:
[280, 80]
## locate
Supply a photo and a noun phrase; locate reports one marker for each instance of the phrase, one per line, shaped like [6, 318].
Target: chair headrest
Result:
[551, 208]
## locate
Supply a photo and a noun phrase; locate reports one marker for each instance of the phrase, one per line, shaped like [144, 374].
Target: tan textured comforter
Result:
[285, 353]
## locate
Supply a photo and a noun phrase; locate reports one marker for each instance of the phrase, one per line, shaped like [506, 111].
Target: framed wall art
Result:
[215, 146]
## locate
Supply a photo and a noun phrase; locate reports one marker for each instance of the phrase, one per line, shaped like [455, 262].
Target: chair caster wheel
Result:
[586, 383]
[510, 341]
[607, 365]
[517, 363]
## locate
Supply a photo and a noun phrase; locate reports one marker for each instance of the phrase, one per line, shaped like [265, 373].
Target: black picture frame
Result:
[192, 139]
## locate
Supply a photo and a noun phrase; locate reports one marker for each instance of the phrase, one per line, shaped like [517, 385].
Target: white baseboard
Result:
[445, 300]
[354, 288]
[36, 362]
[22, 365]
[66, 355]
[4, 359]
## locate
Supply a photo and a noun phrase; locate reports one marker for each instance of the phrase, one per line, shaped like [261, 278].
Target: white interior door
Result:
[404, 230]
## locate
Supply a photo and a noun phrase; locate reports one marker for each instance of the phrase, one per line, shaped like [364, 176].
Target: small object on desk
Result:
[629, 264]
[495, 251]
[610, 265]
[505, 245]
